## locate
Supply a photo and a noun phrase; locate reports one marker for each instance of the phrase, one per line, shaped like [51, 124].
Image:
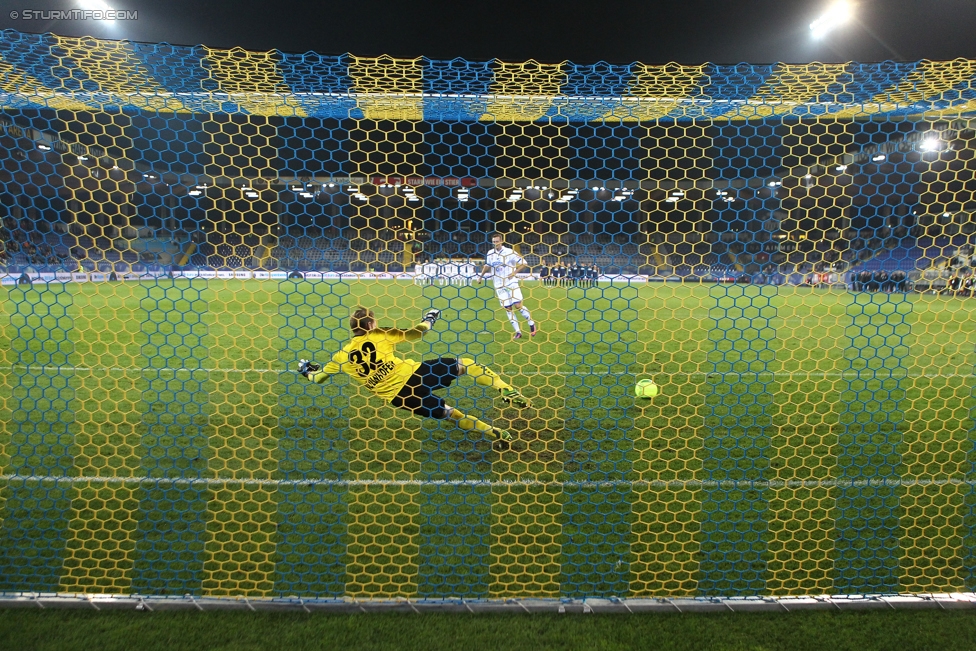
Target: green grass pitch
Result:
[156, 440]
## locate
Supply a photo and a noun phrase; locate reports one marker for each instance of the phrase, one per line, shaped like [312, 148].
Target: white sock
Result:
[514, 320]
[525, 313]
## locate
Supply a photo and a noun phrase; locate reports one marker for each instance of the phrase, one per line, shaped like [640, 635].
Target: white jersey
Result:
[503, 264]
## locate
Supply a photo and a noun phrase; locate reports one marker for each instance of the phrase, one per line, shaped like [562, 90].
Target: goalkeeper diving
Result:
[369, 359]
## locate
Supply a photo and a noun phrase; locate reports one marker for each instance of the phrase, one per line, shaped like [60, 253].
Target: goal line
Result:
[676, 484]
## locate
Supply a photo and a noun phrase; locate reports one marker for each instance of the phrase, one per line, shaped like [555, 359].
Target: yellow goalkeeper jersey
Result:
[370, 360]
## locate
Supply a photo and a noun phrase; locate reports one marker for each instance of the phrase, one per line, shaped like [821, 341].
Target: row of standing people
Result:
[879, 281]
[961, 285]
[575, 275]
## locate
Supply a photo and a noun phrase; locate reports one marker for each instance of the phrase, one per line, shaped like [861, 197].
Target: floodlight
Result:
[929, 144]
[835, 16]
[878, 158]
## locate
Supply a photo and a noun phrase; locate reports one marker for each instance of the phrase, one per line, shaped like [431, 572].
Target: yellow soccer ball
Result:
[646, 389]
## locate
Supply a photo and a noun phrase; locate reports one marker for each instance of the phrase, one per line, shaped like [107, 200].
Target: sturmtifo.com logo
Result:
[74, 14]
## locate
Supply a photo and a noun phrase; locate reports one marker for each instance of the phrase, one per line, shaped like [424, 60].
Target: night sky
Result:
[686, 31]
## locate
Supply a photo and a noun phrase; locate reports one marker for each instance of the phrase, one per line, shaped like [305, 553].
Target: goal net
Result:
[787, 251]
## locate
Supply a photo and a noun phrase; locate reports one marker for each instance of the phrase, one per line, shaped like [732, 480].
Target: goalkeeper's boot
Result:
[513, 398]
[500, 434]
[532, 330]
[517, 335]
[306, 368]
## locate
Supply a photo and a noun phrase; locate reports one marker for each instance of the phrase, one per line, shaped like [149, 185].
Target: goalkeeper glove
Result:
[306, 367]
[432, 316]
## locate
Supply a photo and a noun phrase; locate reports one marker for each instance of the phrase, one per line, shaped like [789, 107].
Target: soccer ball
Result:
[646, 389]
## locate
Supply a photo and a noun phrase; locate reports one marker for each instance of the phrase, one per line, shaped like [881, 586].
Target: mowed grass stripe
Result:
[39, 436]
[968, 520]
[454, 542]
[803, 447]
[9, 356]
[241, 522]
[526, 525]
[598, 443]
[868, 524]
[172, 532]
[312, 444]
[667, 444]
[969, 523]
[455, 521]
[738, 415]
[101, 534]
[934, 520]
[384, 443]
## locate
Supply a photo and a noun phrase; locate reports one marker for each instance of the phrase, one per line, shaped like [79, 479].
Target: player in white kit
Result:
[503, 264]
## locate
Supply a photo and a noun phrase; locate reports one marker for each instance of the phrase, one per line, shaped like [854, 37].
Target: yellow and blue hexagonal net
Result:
[787, 251]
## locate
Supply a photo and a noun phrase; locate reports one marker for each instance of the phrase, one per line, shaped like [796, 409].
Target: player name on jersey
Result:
[379, 374]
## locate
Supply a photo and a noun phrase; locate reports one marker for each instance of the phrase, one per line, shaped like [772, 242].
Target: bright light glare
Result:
[838, 14]
[929, 144]
[99, 5]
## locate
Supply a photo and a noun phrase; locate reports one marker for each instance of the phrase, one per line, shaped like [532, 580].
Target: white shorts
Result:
[508, 296]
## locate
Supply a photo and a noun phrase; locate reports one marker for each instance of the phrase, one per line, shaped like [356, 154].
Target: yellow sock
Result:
[319, 378]
[483, 375]
[470, 423]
